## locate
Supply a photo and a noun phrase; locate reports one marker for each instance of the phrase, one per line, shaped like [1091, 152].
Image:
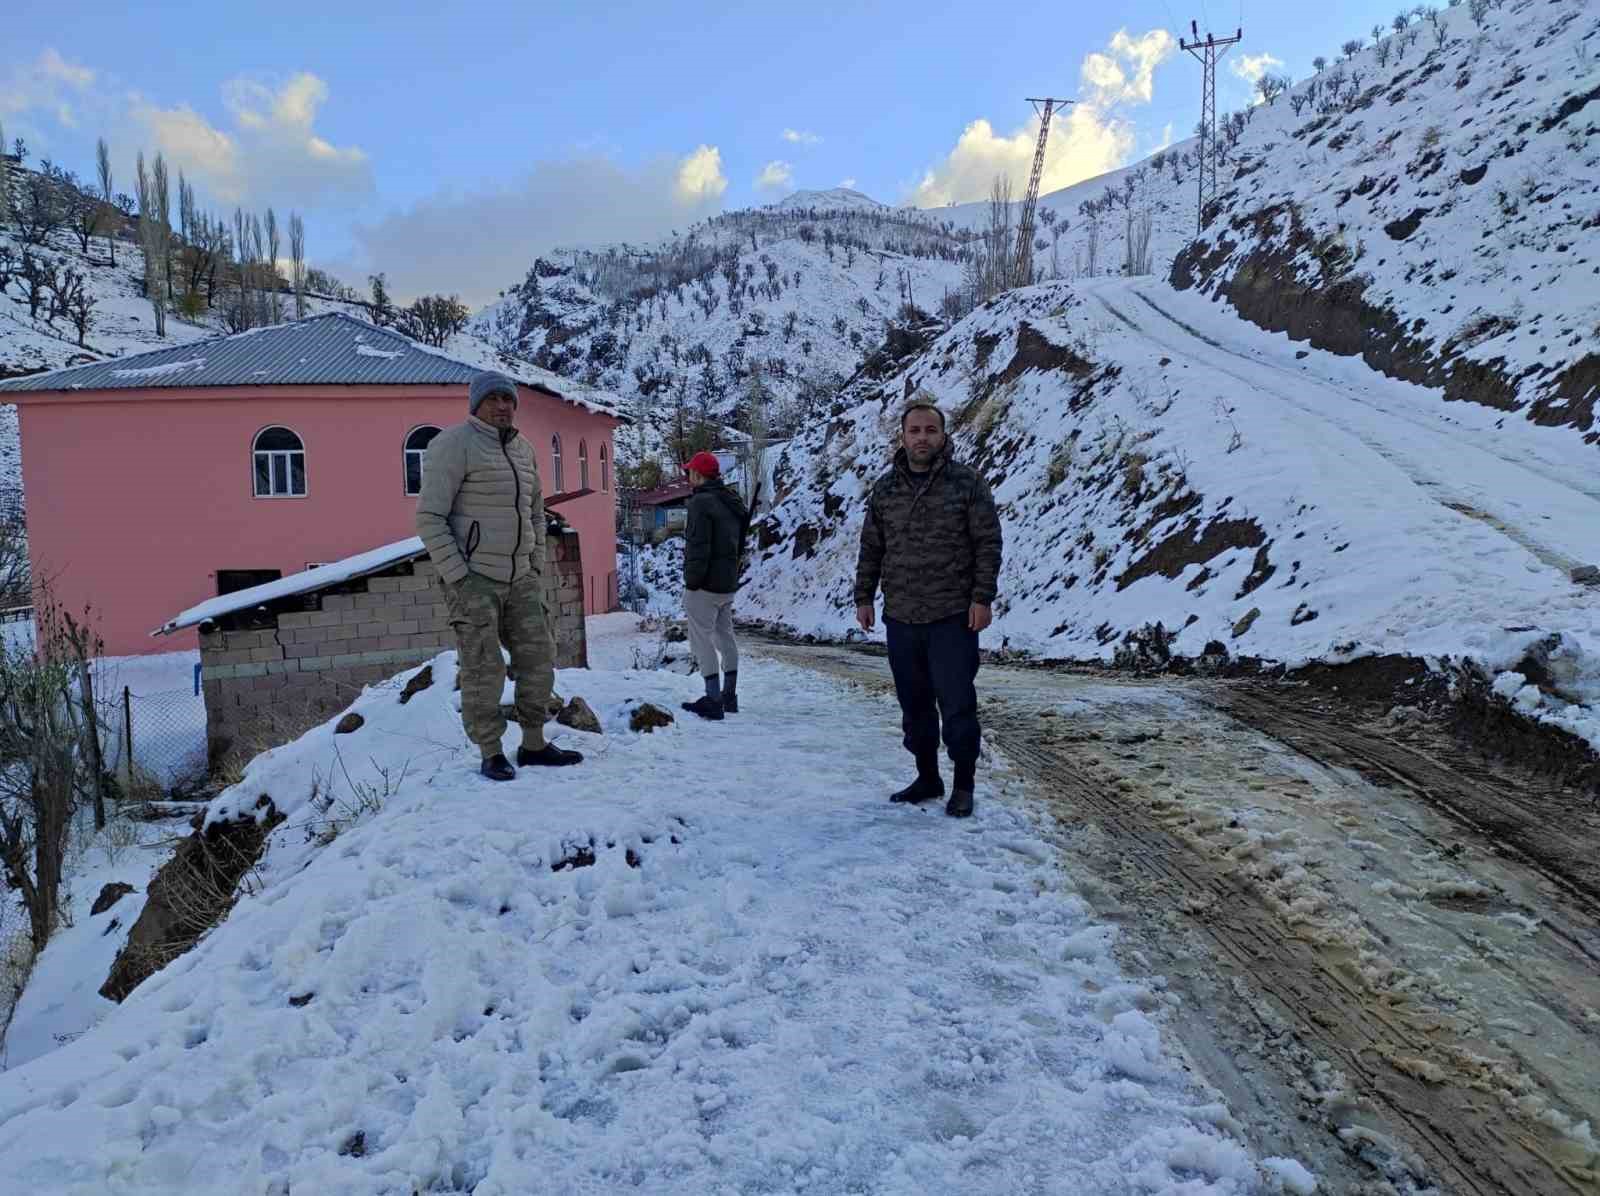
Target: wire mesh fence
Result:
[156, 736]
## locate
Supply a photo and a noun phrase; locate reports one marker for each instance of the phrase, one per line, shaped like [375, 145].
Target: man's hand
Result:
[865, 617]
[979, 617]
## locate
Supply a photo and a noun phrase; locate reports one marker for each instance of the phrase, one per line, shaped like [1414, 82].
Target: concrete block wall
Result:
[264, 686]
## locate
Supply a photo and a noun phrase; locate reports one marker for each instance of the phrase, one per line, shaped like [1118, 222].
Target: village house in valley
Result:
[157, 481]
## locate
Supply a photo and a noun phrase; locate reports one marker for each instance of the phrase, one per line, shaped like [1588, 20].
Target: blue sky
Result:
[449, 143]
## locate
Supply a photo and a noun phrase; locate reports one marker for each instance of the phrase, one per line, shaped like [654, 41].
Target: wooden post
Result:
[92, 724]
[127, 732]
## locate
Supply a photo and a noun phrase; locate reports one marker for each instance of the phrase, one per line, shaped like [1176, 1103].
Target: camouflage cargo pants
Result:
[486, 614]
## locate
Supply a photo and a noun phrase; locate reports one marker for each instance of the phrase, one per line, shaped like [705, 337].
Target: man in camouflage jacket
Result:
[931, 539]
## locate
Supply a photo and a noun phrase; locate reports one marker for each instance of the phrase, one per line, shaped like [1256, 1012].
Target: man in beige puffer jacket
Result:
[481, 517]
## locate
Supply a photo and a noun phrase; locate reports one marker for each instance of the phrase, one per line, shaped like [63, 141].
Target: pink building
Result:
[156, 481]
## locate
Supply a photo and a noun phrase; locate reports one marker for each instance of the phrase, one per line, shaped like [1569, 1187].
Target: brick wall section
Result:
[266, 686]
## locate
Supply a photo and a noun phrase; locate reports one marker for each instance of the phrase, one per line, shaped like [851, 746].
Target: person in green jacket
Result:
[481, 518]
[714, 542]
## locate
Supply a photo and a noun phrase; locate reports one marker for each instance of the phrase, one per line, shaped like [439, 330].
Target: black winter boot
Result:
[706, 707]
[927, 785]
[549, 755]
[730, 692]
[960, 804]
[498, 768]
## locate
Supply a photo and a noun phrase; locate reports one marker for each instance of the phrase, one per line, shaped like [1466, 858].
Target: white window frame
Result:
[555, 463]
[405, 460]
[583, 464]
[277, 459]
[605, 469]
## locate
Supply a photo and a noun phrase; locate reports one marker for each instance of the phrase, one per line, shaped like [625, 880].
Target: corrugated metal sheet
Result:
[328, 350]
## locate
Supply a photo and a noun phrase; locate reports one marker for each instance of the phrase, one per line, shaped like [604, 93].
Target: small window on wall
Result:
[605, 469]
[583, 465]
[416, 449]
[280, 464]
[555, 465]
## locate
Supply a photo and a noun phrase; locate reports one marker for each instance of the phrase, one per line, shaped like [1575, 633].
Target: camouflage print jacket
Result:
[932, 541]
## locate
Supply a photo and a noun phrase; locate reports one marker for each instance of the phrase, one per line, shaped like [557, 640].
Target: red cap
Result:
[705, 465]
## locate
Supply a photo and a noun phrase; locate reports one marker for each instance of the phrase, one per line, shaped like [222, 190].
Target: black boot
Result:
[960, 804]
[927, 785]
[730, 692]
[706, 707]
[498, 768]
[549, 755]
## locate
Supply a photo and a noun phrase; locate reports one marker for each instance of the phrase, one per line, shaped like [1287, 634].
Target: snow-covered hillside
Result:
[757, 978]
[1156, 459]
[1437, 213]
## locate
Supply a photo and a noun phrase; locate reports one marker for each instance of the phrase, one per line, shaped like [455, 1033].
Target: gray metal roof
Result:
[329, 350]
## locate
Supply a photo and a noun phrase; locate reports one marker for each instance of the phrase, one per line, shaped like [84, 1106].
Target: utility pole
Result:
[1022, 265]
[1208, 52]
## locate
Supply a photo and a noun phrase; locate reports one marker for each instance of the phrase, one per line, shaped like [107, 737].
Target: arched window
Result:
[583, 465]
[555, 464]
[417, 448]
[605, 469]
[280, 464]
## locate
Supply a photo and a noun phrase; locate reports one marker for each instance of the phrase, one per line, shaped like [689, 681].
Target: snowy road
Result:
[1394, 962]
[712, 959]
[1538, 487]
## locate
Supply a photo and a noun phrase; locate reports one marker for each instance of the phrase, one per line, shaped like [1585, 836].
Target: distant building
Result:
[159, 480]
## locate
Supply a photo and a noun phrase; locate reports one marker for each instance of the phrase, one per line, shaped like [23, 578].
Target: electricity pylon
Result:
[1208, 52]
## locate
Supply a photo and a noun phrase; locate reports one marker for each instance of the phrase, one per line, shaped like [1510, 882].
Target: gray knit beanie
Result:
[490, 382]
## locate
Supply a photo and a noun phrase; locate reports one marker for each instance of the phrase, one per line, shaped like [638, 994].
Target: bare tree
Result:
[107, 195]
[1270, 87]
[151, 238]
[50, 768]
[382, 306]
[297, 255]
[5, 176]
[1478, 9]
[162, 195]
[43, 207]
[1319, 64]
[79, 306]
[38, 279]
[87, 212]
[1351, 48]
[273, 280]
[434, 319]
[1137, 256]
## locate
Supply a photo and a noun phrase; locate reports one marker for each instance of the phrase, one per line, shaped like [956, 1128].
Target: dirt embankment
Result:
[1332, 310]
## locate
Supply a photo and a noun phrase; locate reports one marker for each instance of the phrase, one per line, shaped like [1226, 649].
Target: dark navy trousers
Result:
[935, 667]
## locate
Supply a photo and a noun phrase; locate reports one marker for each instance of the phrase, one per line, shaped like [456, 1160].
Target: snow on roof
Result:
[303, 582]
[331, 349]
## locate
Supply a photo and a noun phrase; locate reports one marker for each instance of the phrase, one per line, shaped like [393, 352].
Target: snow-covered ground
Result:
[768, 979]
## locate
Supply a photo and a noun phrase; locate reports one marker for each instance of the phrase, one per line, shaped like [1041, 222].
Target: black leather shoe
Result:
[924, 788]
[549, 755]
[498, 768]
[707, 707]
[960, 804]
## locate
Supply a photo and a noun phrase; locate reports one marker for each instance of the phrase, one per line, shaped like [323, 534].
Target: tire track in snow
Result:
[1440, 491]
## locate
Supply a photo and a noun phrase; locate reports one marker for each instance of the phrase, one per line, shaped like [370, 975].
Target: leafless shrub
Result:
[1225, 414]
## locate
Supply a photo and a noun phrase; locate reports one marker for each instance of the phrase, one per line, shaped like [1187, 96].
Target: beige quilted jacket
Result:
[481, 510]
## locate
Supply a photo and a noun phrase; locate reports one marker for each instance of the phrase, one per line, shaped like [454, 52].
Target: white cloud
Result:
[273, 152]
[1251, 67]
[776, 175]
[1087, 138]
[481, 242]
[847, 183]
[700, 178]
[800, 137]
[47, 84]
